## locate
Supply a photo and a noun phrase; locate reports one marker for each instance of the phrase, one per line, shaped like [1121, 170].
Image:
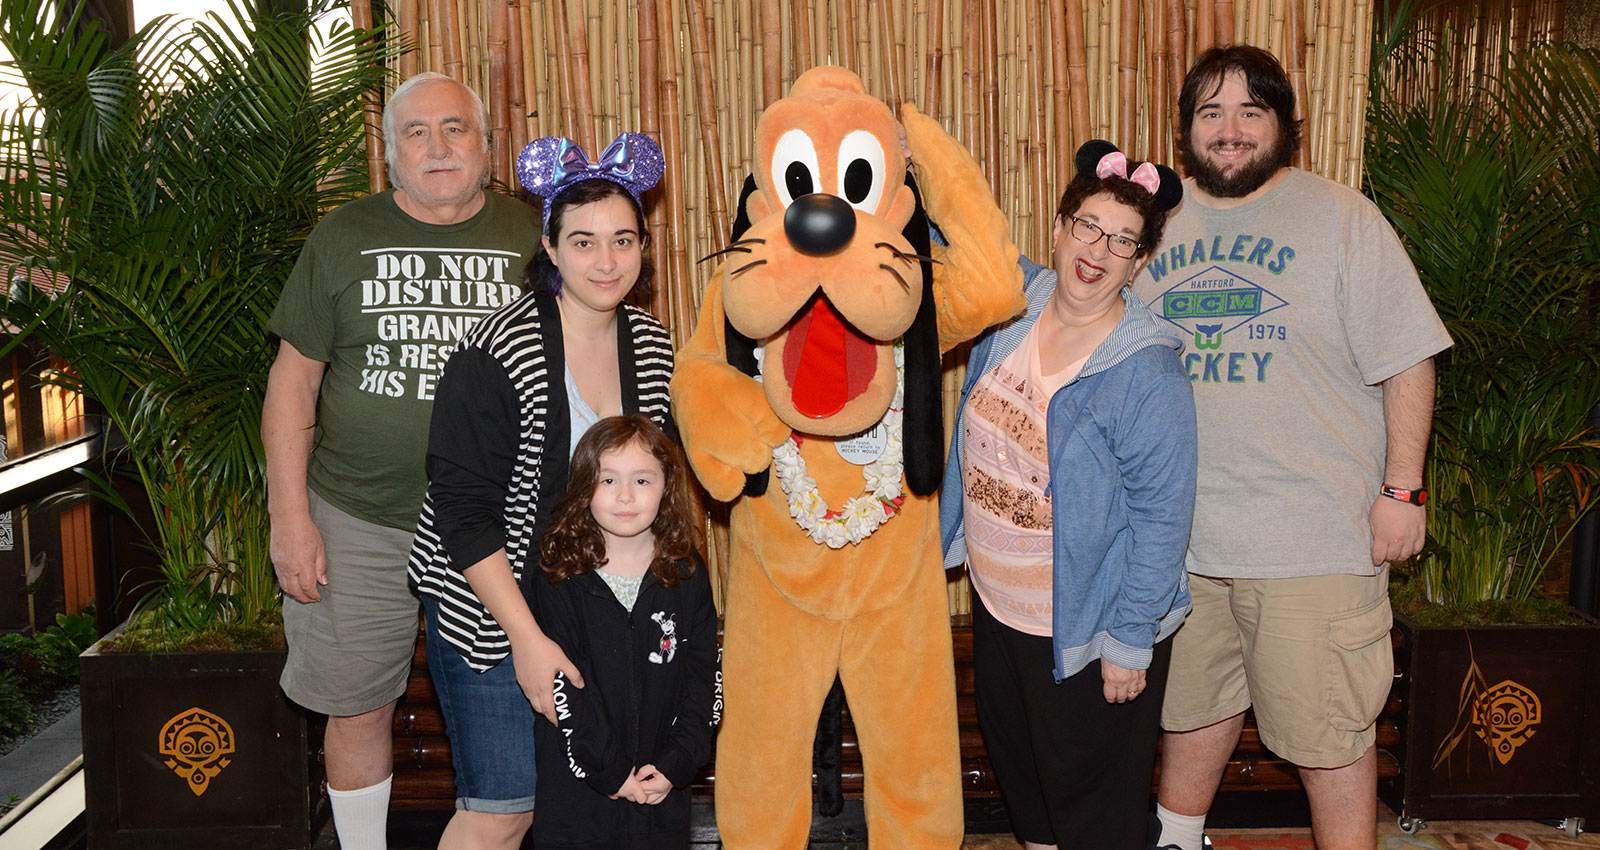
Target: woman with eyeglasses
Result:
[1068, 493]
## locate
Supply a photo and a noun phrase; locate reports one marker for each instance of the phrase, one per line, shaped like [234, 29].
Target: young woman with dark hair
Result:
[517, 393]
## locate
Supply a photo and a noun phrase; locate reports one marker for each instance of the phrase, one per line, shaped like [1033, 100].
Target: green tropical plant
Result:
[62, 643]
[154, 197]
[1491, 185]
[16, 715]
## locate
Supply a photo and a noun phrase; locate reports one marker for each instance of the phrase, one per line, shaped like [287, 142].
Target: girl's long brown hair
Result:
[574, 544]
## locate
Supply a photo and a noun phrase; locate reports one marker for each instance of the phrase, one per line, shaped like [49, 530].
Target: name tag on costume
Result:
[865, 447]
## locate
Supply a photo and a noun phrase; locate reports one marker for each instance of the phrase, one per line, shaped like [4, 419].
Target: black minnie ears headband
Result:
[1099, 158]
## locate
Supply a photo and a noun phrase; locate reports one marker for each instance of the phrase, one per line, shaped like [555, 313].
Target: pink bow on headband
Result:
[1116, 164]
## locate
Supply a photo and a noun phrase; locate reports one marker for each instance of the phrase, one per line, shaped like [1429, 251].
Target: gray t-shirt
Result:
[382, 299]
[1297, 305]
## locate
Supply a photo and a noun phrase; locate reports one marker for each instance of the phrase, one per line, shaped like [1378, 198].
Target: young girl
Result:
[630, 604]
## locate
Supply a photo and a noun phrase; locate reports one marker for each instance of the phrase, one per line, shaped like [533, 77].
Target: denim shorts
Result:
[489, 723]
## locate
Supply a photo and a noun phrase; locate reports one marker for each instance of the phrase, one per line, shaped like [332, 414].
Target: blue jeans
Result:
[490, 725]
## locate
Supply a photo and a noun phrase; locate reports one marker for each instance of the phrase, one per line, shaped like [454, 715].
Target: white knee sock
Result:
[1185, 832]
[361, 816]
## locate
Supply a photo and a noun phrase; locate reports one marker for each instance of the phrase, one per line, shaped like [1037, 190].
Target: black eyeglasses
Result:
[1089, 233]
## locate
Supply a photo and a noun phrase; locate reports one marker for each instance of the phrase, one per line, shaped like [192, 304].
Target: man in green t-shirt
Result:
[384, 288]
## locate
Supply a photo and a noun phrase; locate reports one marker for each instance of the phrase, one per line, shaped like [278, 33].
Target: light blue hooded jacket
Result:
[1121, 451]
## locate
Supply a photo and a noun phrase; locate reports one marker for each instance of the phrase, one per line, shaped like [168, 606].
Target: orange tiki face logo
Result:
[197, 744]
[1505, 716]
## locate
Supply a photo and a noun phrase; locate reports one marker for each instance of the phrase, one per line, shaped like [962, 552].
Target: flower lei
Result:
[882, 496]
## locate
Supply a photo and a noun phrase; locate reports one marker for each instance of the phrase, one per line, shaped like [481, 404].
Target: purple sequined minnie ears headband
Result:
[550, 165]
[1102, 159]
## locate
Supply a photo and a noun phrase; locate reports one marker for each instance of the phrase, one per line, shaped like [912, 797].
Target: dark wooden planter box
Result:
[194, 749]
[1521, 705]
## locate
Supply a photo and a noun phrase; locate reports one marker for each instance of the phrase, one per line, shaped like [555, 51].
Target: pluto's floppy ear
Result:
[741, 350]
[923, 417]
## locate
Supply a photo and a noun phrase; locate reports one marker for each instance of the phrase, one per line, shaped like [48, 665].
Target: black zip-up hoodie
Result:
[652, 695]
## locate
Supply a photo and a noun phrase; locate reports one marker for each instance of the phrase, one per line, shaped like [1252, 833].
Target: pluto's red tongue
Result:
[825, 362]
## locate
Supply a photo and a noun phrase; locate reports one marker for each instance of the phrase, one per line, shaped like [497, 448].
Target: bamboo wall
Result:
[1021, 84]
[1486, 30]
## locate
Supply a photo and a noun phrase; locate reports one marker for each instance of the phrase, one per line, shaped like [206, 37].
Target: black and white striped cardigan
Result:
[525, 337]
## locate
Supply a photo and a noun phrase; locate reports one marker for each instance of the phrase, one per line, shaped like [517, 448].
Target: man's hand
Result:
[537, 664]
[1120, 683]
[1398, 530]
[298, 557]
[653, 783]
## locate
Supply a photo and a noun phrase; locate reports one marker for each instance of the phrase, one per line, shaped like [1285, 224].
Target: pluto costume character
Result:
[835, 568]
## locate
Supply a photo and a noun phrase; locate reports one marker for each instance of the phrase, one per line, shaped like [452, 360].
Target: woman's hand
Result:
[537, 663]
[1121, 684]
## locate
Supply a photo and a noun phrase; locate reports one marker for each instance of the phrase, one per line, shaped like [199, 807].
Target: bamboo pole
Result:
[801, 31]
[517, 82]
[1205, 25]
[449, 33]
[1039, 185]
[650, 125]
[372, 112]
[1155, 50]
[435, 14]
[1225, 22]
[706, 99]
[895, 42]
[569, 80]
[499, 97]
[931, 88]
[970, 63]
[1294, 56]
[1059, 87]
[845, 35]
[1128, 72]
[1177, 69]
[584, 131]
[406, 20]
[684, 301]
[1077, 78]
[989, 75]
[771, 52]
[1352, 168]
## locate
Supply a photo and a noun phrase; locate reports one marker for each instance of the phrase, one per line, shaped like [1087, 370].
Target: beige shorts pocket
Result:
[1360, 669]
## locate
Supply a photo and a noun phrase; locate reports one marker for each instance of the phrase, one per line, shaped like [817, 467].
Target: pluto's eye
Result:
[862, 172]
[857, 181]
[797, 180]
[795, 172]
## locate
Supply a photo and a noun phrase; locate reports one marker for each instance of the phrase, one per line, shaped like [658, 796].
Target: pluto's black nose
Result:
[819, 224]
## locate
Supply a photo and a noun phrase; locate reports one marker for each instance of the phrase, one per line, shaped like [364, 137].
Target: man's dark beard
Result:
[1244, 179]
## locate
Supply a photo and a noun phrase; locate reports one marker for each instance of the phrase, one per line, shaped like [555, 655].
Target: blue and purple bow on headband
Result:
[549, 165]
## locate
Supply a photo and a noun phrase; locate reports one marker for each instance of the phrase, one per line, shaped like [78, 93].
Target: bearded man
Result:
[1313, 375]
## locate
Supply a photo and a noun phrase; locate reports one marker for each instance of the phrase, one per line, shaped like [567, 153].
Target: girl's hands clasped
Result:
[645, 786]
[654, 783]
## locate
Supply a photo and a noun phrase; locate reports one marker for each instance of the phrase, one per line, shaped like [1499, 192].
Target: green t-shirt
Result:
[382, 299]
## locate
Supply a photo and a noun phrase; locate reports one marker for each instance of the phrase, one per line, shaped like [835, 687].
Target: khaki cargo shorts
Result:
[351, 652]
[1312, 655]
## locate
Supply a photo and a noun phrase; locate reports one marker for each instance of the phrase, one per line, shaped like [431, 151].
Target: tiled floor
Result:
[420, 831]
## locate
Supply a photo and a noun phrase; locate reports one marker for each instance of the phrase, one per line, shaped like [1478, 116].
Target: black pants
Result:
[1074, 769]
